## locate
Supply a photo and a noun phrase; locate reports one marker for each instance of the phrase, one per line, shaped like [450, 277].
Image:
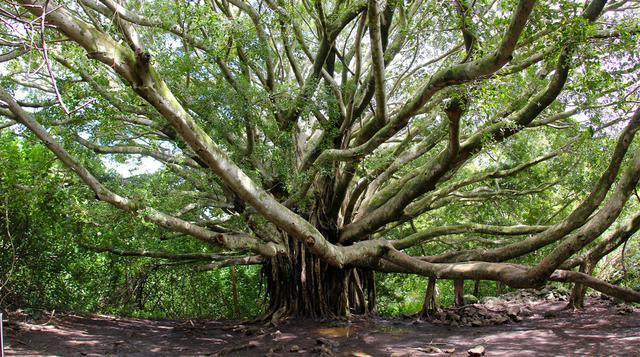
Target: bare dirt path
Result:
[603, 329]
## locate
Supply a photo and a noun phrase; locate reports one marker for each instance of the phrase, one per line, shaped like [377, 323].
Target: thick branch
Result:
[155, 253]
[377, 59]
[230, 241]
[511, 274]
[137, 150]
[428, 234]
[574, 220]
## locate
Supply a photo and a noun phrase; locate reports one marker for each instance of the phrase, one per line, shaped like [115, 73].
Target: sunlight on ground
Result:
[344, 331]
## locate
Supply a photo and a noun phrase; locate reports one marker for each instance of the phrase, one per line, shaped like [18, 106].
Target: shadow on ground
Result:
[600, 330]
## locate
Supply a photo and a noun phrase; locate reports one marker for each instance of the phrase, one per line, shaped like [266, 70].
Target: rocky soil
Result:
[510, 307]
[526, 323]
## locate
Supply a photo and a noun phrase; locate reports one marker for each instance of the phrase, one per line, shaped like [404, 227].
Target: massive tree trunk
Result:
[365, 167]
[299, 284]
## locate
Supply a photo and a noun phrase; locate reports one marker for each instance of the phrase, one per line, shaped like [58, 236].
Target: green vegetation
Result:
[46, 217]
[317, 159]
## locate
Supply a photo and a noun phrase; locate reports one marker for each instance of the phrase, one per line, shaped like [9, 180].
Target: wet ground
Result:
[603, 329]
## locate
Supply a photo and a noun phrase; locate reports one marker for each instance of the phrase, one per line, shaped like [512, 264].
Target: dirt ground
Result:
[603, 329]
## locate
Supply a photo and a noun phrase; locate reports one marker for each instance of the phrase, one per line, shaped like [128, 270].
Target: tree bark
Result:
[300, 284]
[236, 304]
[576, 300]
[430, 299]
[458, 288]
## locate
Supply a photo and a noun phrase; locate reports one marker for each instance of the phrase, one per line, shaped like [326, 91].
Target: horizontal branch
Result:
[136, 150]
[12, 54]
[155, 253]
[432, 232]
[250, 260]
[7, 124]
[512, 274]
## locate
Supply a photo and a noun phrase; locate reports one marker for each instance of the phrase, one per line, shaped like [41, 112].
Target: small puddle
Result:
[392, 333]
[343, 331]
[393, 329]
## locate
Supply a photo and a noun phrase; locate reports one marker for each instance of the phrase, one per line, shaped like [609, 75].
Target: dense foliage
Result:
[47, 218]
[287, 155]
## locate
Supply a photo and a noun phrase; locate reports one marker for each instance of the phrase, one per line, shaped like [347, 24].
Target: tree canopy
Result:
[328, 140]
